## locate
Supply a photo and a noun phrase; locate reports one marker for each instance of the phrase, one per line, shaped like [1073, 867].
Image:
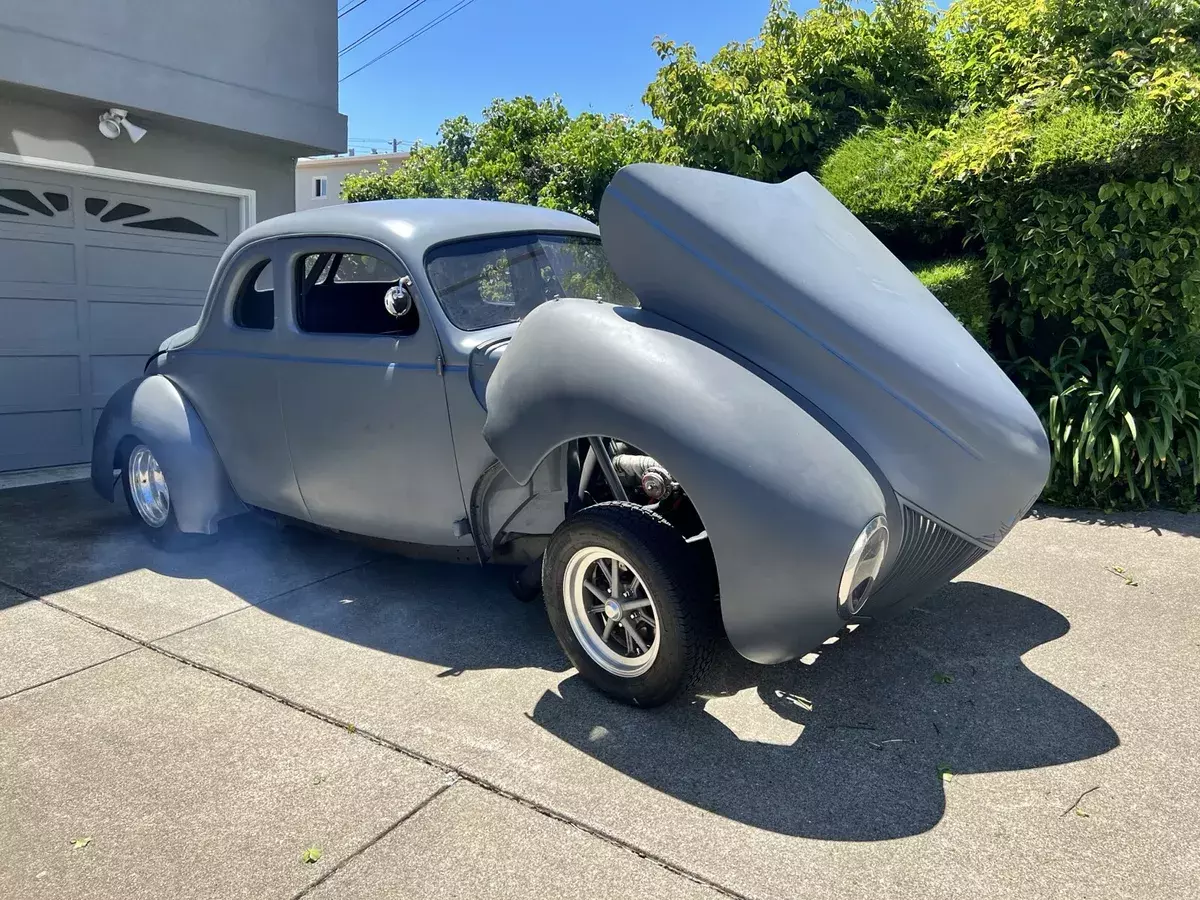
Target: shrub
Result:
[993, 51]
[885, 178]
[1121, 257]
[962, 287]
[1123, 419]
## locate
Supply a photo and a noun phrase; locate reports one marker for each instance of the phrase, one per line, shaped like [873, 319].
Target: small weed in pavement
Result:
[310, 856]
[1120, 572]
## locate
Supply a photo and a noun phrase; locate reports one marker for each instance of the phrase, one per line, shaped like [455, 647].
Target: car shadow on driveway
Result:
[853, 747]
[880, 723]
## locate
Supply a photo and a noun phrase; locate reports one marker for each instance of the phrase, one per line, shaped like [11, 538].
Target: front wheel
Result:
[626, 601]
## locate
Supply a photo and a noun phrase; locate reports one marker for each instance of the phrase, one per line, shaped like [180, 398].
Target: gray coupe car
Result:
[729, 405]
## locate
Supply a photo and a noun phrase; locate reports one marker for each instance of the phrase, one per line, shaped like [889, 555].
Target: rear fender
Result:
[154, 412]
[781, 498]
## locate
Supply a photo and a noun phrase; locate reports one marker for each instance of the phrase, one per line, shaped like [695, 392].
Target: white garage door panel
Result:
[52, 438]
[36, 262]
[38, 381]
[117, 327]
[124, 267]
[33, 324]
[110, 372]
[94, 273]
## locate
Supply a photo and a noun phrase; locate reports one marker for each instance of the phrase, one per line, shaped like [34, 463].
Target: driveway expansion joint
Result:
[454, 773]
[81, 669]
[368, 844]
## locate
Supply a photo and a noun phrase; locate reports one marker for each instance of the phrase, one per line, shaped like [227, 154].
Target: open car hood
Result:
[786, 277]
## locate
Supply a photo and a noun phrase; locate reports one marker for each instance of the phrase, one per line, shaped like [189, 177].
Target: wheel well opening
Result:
[121, 454]
[641, 478]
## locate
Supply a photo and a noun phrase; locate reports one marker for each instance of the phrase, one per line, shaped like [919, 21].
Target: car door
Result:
[363, 400]
[228, 374]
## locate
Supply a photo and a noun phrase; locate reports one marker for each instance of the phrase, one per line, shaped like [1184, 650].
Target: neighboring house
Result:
[107, 245]
[319, 179]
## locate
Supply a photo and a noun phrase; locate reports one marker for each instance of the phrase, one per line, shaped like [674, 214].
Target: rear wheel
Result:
[627, 604]
[149, 498]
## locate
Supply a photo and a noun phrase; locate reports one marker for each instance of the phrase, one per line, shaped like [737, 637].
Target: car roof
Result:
[413, 226]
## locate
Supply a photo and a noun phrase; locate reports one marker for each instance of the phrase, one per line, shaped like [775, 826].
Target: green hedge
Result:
[962, 287]
[885, 178]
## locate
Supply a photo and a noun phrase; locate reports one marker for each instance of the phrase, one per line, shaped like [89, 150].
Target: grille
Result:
[929, 557]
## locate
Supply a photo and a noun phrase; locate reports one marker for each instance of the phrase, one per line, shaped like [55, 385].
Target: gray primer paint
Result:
[790, 372]
[782, 500]
[329, 393]
[153, 409]
[787, 277]
[801, 310]
[262, 67]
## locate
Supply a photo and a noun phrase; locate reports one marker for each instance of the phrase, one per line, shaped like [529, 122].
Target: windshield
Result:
[496, 280]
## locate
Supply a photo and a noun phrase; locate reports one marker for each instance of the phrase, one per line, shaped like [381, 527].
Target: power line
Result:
[388, 145]
[456, 8]
[350, 7]
[386, 23]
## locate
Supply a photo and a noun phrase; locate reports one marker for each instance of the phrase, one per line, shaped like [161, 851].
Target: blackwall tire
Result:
[658, 578]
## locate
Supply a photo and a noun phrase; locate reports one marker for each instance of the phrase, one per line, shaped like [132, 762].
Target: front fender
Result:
[153, 411]
[781, 498]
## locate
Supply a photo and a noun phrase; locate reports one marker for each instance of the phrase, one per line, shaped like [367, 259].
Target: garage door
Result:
[94, 273]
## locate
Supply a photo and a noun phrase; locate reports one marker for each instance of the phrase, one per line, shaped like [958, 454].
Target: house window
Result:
[254, 306]
[344, 293]
[320, 187]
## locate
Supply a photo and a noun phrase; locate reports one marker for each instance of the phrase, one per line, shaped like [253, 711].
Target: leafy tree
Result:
[769, 108]
[522, 151]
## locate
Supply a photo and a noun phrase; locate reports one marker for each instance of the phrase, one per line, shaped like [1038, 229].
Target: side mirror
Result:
[399, 299]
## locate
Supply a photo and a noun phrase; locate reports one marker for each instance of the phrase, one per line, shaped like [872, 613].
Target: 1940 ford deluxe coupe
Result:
[727, 405]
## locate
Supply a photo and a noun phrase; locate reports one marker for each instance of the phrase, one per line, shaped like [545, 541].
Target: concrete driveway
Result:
[189, 725]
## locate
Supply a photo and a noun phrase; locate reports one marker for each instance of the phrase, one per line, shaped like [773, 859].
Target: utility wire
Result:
[386, 23]
[456, 8]
[350, 7]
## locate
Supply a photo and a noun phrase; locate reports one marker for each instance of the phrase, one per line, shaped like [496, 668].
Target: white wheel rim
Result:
[611, 612]
[148, 487]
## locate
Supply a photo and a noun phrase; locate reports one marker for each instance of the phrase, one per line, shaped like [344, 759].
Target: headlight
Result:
[862, 566]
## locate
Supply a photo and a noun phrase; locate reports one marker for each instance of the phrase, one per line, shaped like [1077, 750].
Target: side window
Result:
[254, 306]
[344, 293]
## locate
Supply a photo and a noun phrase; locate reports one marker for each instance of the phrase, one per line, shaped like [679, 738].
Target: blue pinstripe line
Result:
[742, 285]
[248, 354]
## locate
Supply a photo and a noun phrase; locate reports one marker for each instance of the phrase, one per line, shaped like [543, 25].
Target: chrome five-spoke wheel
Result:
[148, 487]
[611, 612]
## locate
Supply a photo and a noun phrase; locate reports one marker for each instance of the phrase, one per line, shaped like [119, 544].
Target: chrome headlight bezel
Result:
[862, 567]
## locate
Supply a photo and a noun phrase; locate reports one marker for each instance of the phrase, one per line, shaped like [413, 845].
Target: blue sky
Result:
[595, 54]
